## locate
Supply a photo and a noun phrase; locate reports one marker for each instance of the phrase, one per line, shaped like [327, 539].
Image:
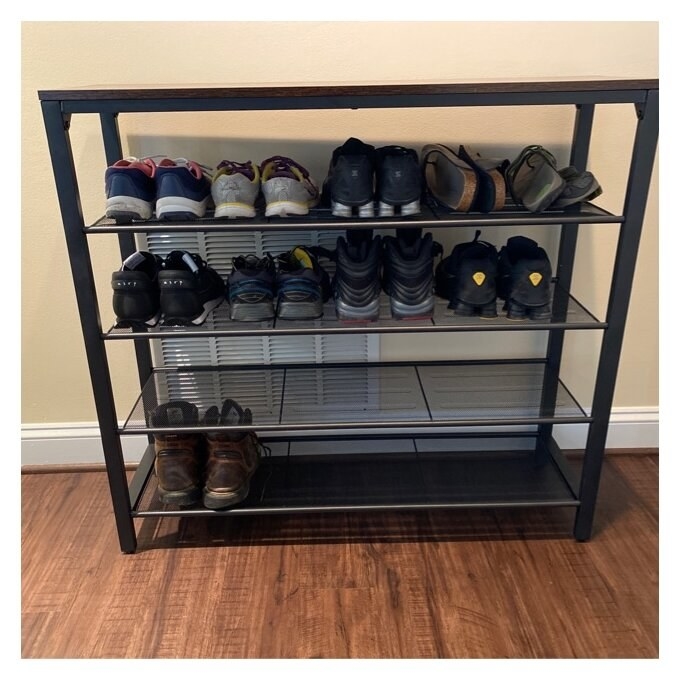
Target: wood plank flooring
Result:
[460, 584]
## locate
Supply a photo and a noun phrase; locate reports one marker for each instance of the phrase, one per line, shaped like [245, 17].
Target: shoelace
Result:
[284, 164]
[234, 166]
[185, 162]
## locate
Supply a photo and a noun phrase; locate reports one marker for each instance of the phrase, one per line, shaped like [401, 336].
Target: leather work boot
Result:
[180, 457]
[233, 457]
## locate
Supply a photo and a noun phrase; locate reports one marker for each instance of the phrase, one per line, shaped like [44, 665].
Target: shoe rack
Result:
[396, 411]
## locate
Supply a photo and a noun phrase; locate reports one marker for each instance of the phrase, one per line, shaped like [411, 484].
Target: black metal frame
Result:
[59, 106]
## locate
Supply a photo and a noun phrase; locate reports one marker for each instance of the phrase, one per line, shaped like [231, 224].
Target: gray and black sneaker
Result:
[524, 276]
[356, 284]
[251, 288]
[349, 187]
[408, 276]
[398, 181]
[467, 278]
[580, 187]
[302, 285]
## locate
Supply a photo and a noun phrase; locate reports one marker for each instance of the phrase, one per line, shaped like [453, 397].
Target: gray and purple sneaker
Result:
[287, 187]
[235, 188]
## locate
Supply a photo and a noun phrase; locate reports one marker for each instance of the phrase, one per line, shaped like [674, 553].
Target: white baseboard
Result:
[79, 443]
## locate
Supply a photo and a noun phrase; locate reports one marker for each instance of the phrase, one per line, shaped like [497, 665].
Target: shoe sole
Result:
[185, 497]
[257, 311]
[488, 311]
[285, 208]
[130, 323]
[401, 310]
[186, 320]
[234, 210]
[124, 209]
[388, 210]
[345, 312]
[347, 211]
[214, 500]
[177, 208]
[300, 311]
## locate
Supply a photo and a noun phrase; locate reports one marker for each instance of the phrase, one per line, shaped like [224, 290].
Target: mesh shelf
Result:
[345, 482]
[321, 218]
[305, 397]
[567, 313]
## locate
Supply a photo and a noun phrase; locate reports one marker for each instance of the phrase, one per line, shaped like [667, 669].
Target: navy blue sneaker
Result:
[467, 278]
[136, 295]
[183, 189]
[356, 284]
[303, 285]
[524, 276]
[398, 183]
[251, 288]
[130, 186]
[190, 289]
[408, 275]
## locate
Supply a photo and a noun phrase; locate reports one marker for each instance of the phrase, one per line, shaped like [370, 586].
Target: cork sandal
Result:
[448, 178]
[490, 178]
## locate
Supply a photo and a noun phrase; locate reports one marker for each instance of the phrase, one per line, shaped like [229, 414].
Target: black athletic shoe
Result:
[251, 288]
[398, 181]
[408, 273]
[524, 276]
[190, 289]
[356, 284]
[303, 285]
[349, 186]
[467, 278]
[136, 295]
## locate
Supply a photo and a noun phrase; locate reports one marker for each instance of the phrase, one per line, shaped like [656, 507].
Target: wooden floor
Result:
[483, 584]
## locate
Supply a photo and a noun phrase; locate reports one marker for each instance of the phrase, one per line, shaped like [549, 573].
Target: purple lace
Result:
[235, 167]
[282, 167]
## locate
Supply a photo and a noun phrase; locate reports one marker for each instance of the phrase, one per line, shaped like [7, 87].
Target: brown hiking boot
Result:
[180, 457]
[233, 457]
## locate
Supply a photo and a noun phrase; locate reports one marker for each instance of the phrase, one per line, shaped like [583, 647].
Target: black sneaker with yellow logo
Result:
[467, 278]
[524, 276]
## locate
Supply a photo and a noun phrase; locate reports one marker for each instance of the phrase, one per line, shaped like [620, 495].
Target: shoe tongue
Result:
[133, 261]
[303, 258]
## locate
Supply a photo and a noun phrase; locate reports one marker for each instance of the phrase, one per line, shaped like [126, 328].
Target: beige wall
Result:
[55, 382]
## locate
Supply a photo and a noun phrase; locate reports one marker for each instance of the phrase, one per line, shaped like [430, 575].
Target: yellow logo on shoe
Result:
[479, 278]
[535, 278]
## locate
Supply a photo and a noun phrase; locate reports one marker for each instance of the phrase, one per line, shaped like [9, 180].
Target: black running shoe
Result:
[524, 276]
[251, 288]
[349, 186]
[136, 295]
[303, 285]
[467, 278]
[190, 289]
[398, 182]
[408, 273]
[356, 284]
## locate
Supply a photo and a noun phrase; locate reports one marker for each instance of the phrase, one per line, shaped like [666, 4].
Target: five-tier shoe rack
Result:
[372, 401]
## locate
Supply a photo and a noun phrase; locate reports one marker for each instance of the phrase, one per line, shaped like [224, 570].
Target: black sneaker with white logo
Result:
[398, 181]
[136, 295]
[524, 276]
[190, 289]
[467, 278]
[349, 187]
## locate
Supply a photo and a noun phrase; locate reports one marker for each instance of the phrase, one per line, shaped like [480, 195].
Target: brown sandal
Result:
[448, 178]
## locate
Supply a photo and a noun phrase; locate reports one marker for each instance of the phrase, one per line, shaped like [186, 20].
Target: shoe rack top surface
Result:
[275, 90]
